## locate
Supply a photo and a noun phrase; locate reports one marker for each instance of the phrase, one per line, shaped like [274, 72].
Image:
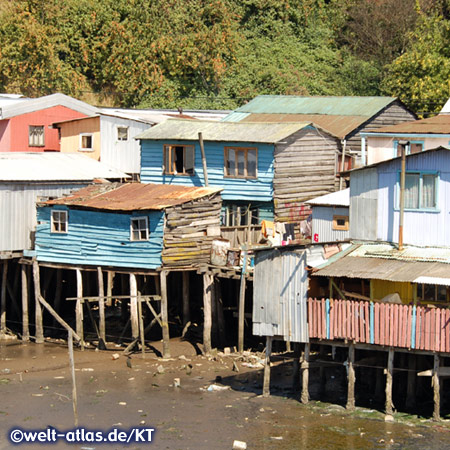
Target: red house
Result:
[25, 123]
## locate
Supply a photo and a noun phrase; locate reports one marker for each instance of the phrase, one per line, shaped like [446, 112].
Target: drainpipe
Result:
[202, 149]
[344, 143]
[363, 151]
[403, 145]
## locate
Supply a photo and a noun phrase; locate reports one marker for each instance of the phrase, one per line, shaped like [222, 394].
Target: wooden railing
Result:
[241, 235]
[393, 325]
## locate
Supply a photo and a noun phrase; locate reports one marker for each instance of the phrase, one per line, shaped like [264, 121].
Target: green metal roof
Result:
[290, 104]
[187, 130]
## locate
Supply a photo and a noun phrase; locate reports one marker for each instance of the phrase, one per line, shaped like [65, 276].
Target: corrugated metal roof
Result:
[385, 262]
[53, 166]
[187, 130]
[433, 125]
[290, 104]
[27, 105]
[133, 196]
[338, 125]
[338, 198]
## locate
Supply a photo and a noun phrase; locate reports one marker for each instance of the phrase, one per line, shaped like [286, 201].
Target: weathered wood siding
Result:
[305, 167]
[233, 188]
[189, 231]
[99, 238]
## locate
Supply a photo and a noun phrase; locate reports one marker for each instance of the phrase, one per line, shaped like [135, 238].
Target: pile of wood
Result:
[189, 231]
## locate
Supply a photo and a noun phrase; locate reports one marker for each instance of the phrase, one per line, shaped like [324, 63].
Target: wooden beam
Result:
[351, 378]
[133, 307]
[109, 288]
[266, 383]
[305, 373]
[25, 319]
[74, 385]
[141, 327]
[39, 331]
[186, 309]
[79, 308]
[435, 382]
[389, 377]
[207, 314]
[241, 317]
[164, 314]
[3, 297]
[101, 305]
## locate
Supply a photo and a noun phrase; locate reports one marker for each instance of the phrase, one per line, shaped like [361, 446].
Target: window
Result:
[59, 222]
[420, 190]
[139, 229]
[432, 293]
[240, 215]
[122, 133]
[86, 142]
[179, 159]
[411, 147]
[340, 223]
[36, 136]
[241, 162]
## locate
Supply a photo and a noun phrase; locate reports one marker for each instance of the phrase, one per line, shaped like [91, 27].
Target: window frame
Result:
[146, 229]
[41, 136]
[338, 227]
[86, 149]
[421, 173]
[234, 214]
[124, 127]
[408, 147]
[436, 294]
[169, 148]
[56, 223]
[240, 149]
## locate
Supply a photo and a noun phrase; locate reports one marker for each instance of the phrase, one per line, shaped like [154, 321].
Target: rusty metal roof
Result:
[385, 262]
[433, 125]
[133, 196]
[187, 130]
[338, 125]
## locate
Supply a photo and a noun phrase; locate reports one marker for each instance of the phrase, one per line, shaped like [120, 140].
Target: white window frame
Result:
[140, 228]
[122, 127]
[36, 136]
[86, 149]
[59, 221]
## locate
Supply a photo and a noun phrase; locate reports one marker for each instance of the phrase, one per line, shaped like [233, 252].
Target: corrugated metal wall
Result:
[364, 204]
[234, 188]
[122, 155]
[280, 295]
[18, 211]
[322, 224]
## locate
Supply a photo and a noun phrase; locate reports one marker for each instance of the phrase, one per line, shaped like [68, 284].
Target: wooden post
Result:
[205, 167]
[266, 383]
[25, 324]
[109, 288]
[186, 309]
[3, 297]
[389, 375]
[141, 325]
[207, 287]
[39, 331]
[133, 307]
[164, 314]
[241, 316]
[351, 378]
[296, 368]
[79, 308]
[305, 373]
[101, 305]
[74, 385]
[435, 382]
[411, 386]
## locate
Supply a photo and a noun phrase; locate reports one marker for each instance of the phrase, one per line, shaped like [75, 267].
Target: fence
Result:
[393, 325]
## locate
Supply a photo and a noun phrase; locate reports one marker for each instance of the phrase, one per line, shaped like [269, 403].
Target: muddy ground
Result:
[36, 389]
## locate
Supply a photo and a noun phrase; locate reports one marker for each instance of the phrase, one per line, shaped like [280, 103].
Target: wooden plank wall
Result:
[391, 325]
[189, 231]
[305, 168]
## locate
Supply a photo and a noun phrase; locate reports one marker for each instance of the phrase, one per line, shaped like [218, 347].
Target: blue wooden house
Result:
[265, 170]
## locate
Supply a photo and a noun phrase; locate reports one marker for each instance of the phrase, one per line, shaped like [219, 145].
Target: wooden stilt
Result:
[266, 382]
[220, 315]
[296, 368]
[101, 305]
[25, 324]
[305, 374]
[79, 308]
[411, 386]
[164, 314]
[207, 287]
[288, 346]
[241, 315]
[133, 307]
[389, 376]
[109, 288]
[3, 297]
[39, 331]
[351, 378]
[141, 325]
[186, 309]
[435, 382]
[74, 385]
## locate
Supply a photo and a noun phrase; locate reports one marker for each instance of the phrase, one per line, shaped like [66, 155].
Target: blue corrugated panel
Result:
[100, 239]
[233, 188]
